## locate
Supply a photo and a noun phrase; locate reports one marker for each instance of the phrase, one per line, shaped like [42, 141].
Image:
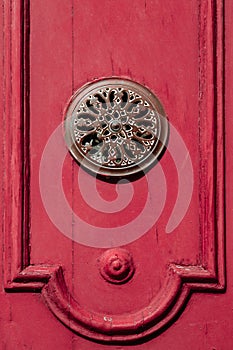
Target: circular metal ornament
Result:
[115, 127]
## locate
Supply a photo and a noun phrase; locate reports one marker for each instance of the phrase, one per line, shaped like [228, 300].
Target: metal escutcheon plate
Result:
[115, 127]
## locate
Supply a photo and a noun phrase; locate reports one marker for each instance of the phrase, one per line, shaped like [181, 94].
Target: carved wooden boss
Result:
[114, 199]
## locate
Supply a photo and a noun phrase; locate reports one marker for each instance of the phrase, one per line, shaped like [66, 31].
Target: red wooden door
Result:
[120, 242]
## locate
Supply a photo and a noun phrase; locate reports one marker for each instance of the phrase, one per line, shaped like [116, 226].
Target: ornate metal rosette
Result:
[115, 127]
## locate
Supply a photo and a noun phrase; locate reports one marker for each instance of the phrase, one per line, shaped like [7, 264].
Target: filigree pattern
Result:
[115, 126]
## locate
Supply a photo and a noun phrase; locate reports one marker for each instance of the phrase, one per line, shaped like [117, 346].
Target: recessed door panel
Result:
[120, 164]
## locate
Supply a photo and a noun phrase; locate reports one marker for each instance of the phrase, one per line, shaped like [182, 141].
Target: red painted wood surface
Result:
[70, 44]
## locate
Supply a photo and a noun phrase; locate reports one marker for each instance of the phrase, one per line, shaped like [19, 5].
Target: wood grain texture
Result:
[47, 276]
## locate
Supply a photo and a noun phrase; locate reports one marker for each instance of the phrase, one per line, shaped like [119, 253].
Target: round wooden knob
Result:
[116, 265]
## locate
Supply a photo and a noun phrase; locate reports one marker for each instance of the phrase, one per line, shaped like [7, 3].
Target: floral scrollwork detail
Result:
[115, 125]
